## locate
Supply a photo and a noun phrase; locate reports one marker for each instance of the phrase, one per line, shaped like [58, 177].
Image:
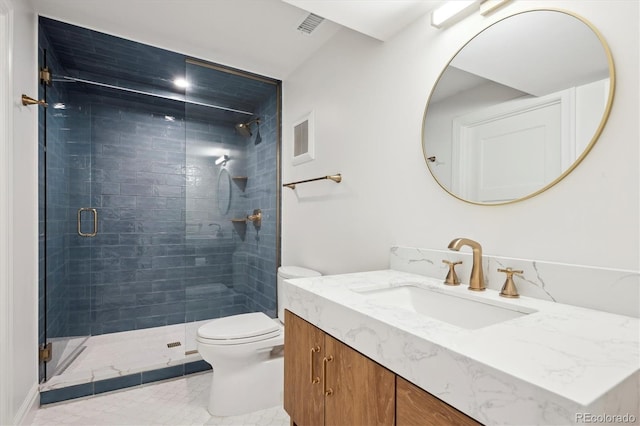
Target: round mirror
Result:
[224, 191]
[518, 107]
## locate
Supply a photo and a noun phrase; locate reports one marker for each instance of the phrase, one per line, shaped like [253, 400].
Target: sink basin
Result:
[453, 309]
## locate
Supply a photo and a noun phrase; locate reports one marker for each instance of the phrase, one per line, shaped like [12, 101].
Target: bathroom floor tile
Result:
[177, 402]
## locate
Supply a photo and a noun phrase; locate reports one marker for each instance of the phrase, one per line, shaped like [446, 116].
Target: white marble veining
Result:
[610, 290]
[541, 368]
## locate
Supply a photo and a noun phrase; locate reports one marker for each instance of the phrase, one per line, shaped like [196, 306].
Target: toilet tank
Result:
[286, 272]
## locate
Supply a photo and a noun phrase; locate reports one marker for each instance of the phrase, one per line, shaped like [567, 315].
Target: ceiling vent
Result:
[310, 23]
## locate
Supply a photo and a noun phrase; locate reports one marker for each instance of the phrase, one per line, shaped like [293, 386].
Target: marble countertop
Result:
[553, 366]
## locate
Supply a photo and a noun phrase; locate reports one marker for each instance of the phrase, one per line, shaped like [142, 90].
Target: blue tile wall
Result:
[258, 263]
[153, 193]
[133, 279]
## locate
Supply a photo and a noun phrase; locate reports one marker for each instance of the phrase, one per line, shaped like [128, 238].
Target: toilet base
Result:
[257, 387]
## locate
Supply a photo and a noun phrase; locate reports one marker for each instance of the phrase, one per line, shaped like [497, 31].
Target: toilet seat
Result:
[238, 329]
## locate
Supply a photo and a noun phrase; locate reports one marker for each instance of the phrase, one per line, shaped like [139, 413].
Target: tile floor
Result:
[180, 401]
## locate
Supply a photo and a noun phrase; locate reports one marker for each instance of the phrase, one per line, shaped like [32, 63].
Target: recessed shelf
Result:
[240, 181]
[240, 226]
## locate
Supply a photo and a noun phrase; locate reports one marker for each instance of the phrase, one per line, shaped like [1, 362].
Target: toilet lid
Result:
[240, 327]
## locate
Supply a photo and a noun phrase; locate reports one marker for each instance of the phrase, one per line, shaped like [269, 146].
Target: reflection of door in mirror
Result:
[536, 86]
[499, 158]
[504, 151]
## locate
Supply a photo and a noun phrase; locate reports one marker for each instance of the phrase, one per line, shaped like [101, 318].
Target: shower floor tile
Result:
[176, 402]
[119, 354]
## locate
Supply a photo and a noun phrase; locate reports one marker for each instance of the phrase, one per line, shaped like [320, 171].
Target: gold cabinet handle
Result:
[314, 379]
[325, 360]
[95, 222]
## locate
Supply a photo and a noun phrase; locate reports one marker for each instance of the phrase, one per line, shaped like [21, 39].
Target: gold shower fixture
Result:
[28, 100]
[245, 128]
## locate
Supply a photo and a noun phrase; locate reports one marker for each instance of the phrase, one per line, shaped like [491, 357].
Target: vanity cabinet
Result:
[327, 382]
[416, 407]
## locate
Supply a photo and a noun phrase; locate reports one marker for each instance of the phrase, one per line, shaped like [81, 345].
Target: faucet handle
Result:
[452, 278]
[509, 288]
[256, 218]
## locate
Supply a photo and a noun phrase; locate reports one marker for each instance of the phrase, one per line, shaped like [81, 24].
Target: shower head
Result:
[245, 128]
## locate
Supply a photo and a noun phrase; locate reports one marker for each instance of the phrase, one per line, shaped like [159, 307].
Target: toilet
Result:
[246, 352]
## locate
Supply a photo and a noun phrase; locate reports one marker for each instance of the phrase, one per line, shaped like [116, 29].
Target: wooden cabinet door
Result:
[416, 407]
[303, 353]
[358, 391]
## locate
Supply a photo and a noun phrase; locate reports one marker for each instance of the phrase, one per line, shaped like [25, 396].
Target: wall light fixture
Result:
[455, 10]
[452, 11]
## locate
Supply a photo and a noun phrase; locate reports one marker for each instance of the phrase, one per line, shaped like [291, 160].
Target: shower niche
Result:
[166, 149]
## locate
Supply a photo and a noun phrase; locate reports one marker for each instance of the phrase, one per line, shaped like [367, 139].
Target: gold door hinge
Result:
[45, 76]
[45, 352]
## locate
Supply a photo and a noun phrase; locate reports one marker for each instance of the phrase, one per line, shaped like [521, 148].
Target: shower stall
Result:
[159, 203]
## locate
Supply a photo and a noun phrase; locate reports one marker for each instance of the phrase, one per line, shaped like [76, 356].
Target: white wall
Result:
[369, 98]
[19, 218]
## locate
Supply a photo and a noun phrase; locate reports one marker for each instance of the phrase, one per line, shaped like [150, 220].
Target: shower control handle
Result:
[256, 217]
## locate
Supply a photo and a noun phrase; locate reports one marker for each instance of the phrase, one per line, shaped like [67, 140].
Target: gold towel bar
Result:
[336, 178]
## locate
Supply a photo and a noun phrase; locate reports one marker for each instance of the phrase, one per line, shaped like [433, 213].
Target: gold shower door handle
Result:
[314, 379]
[95, 222]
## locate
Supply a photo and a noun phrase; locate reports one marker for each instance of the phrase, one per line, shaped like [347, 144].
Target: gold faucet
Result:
[476, 281]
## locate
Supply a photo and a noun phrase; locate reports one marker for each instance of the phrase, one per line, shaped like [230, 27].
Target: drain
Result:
[174, 344]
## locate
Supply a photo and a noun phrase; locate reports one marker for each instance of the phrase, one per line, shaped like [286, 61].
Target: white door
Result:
[509, 151]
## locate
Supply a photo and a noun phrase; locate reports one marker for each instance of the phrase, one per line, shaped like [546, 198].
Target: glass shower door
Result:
[69, 224]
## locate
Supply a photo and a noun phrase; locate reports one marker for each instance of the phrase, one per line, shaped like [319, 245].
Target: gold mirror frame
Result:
[587, 149]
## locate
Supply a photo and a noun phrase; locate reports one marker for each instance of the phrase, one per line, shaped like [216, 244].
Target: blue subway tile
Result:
[64, 394]
[116, 326]
[150, 203]
[162, 374]
[118, 201]
[196, 366]
[149, 322]
[136, 189]
[122, 382]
